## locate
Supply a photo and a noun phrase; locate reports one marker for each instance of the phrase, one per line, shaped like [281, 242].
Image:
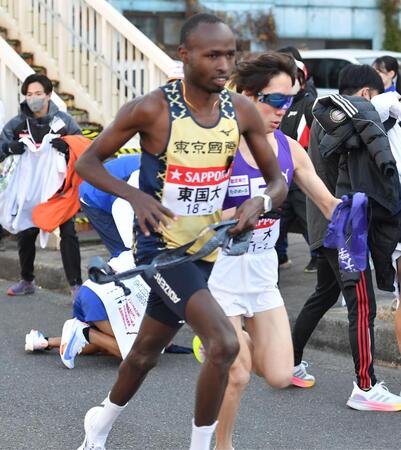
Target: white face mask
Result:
[36, 104]
[296, 88]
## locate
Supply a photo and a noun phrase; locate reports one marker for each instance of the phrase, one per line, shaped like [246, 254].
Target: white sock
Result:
[201, 436]
[105, 418]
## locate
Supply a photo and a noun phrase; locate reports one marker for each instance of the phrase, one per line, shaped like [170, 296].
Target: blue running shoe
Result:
[72, 341]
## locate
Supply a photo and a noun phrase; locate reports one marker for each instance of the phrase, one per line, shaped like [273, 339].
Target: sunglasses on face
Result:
[279, 101]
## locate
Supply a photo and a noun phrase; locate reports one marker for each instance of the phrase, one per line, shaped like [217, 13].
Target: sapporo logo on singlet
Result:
[264, 235]
[195, 191]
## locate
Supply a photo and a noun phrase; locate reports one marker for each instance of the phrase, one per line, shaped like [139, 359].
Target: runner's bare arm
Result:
[253, 131]
[228, 213]
[307, 179]
[136, 116]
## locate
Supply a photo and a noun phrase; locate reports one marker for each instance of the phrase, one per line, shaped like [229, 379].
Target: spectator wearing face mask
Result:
[37, 130]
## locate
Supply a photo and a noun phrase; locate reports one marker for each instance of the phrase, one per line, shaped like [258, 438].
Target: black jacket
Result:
[354, 130]
[17, 127]
[300, 111]
[354, 142]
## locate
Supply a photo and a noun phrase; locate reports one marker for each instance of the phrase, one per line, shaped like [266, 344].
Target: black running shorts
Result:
[172, 288]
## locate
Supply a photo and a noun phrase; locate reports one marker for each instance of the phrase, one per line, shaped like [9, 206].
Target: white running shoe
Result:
[378, 398]
[35, 341]
[90, 443]
[72, 341]
[301, 378]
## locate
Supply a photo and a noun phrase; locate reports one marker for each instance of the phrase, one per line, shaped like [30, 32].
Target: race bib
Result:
[195, 191]
[125, 312]
[265, 235]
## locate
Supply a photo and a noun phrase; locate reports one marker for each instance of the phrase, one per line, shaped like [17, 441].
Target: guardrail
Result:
[13, 71]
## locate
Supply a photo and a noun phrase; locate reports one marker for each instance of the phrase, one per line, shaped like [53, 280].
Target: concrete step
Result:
[27, 57]
[15, 44]
[3, 33]
[80, 115]
[69, 99]
[39, 69]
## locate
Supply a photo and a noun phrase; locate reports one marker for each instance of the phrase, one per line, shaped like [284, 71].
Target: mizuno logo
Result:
[292, 113]
[226, 132]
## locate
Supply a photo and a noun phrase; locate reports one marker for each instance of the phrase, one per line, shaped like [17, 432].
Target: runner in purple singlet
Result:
[246, 286]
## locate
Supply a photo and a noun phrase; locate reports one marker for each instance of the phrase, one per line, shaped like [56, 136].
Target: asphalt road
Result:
[42, 404]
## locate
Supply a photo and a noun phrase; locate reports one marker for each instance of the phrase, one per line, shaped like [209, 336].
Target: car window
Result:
[325, 71]
[366, 60]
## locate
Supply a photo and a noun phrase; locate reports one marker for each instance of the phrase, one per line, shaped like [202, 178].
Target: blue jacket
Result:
[120, 168]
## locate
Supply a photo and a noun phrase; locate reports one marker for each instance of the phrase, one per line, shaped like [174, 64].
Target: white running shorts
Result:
[246, 284]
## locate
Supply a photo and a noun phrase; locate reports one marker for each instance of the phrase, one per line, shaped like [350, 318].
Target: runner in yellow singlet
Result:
[189, 134]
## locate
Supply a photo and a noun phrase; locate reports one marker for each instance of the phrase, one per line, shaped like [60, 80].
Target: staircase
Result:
[99, 59]
[67, 100]
[95, 57]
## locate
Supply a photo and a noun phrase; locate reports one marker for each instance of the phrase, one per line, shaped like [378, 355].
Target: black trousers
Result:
[69, 248]
[361, 304]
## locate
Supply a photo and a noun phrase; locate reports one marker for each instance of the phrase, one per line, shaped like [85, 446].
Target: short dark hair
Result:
[254, 74]
[190, 24]
[37, 78]
[290, 50]
[387, 63]
[354, 77]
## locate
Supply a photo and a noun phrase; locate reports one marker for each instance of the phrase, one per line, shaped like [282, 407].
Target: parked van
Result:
[325, 65]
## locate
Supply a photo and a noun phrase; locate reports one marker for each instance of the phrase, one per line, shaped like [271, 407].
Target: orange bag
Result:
[63, 205]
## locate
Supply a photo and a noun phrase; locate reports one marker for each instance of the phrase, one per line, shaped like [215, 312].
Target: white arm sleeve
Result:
[123, 214]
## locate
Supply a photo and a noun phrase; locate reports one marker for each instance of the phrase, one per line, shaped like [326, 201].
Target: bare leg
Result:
[272, 346]
[153, 336]
[103, 338]
[239, 377]
[209, 322]
[54, 342]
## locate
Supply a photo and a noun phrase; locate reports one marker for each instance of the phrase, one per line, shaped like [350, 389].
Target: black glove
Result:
[60, 145]
[13, 148]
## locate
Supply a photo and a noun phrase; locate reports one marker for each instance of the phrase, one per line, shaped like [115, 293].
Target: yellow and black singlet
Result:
[190, 176]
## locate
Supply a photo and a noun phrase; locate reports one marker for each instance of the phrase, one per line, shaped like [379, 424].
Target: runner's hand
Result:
[247, 215]
[150, 212]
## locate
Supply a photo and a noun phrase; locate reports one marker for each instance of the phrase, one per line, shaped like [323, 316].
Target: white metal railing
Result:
[13, 71]
[95, 52]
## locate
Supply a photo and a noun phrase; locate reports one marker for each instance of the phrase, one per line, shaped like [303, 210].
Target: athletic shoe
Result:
[72, 341]
[301, 378]
[311, 267]
[89, 443]
[199, 349]
[378, 398]
[35, 341]
[22, 288]
[178, 349]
